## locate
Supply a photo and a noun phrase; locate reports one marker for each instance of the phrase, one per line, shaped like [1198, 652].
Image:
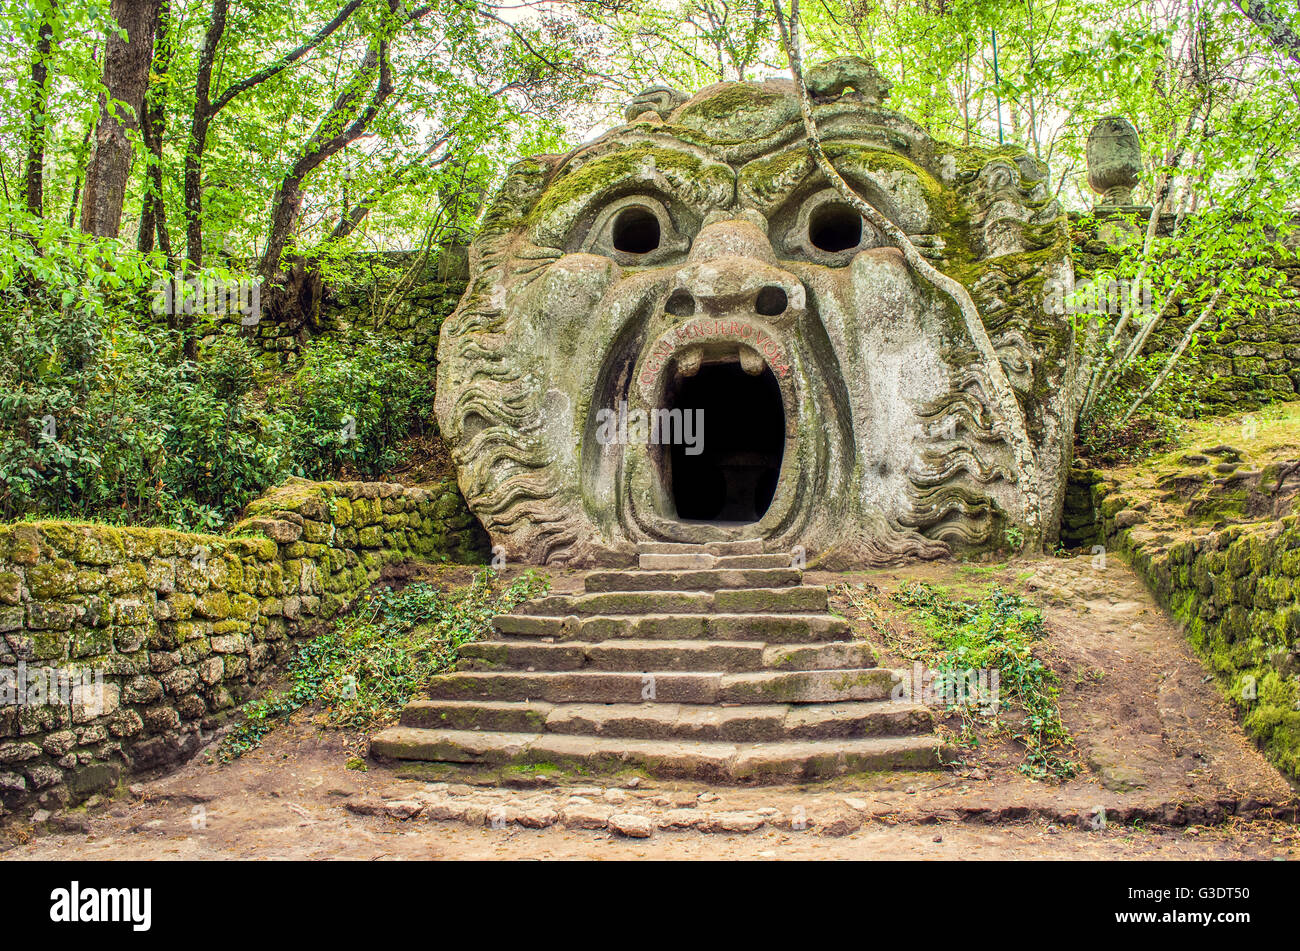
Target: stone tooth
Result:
[750, 361]
[688, 362]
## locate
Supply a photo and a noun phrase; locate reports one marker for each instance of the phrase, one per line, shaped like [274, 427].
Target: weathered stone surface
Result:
[631, 825]
[732, 822]
[837, 821]
[696, 259]
[583, 816]
[1114, 160]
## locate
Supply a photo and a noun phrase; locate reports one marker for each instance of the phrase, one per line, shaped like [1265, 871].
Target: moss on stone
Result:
[1232, 586]
[727, 112]
[685, 171]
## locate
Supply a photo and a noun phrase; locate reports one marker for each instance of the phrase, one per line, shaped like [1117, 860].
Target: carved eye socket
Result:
[635, 230]
[833, 228]
[828, 230]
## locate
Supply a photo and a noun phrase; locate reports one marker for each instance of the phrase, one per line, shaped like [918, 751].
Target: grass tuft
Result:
[994, 632]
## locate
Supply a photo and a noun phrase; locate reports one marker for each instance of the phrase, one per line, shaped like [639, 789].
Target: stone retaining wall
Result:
[157, 635]
[1235, 588]
[414, 304]
[411, 293]
[1080, 524]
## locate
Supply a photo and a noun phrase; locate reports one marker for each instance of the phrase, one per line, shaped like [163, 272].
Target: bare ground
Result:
[1171, 776]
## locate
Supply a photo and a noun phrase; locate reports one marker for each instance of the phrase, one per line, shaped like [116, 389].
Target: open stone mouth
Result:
[722, 371]
[732, 476]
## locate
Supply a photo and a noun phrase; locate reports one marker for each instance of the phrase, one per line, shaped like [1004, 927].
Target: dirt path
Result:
[287, 801]
[1148, 723]
[1164, 748]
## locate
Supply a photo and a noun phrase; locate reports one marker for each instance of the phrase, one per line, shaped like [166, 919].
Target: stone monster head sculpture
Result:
[681, 332]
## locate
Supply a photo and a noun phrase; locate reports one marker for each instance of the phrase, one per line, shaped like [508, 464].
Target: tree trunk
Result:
[37, 111]
[1173, 358]
[199, 135]
[206, 108]
[324, 143]
[126, 73]
[1273, 25]
[153, 212]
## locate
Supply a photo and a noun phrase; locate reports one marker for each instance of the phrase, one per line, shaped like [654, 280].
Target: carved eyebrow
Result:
[902, 190]
[675, 174]
[766, 183]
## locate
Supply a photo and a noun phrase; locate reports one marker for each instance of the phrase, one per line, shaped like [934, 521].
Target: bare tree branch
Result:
[329, 138]
[324, 33]
[1174, 357]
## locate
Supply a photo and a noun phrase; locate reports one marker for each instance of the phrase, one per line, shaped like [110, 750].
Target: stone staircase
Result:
[710, 662]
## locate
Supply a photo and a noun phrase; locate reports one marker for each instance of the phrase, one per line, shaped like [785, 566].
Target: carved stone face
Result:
[692, 279]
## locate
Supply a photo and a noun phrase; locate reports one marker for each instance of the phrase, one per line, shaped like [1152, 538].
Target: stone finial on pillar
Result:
[1114, 161]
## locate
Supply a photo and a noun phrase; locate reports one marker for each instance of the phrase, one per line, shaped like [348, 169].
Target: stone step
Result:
[642, 655]
[661, 721]
[688, 561]
[787, 761]
[771, 628]
[794, 599]
[667, 686]
[752, 546]
[777, 560]
[707, 579]
[705, 560]
[713, 662]
[499, 716]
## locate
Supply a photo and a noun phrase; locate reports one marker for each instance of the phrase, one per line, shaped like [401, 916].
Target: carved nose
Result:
[743, 236]
[732, 269]
[772, 300]
[732, 285]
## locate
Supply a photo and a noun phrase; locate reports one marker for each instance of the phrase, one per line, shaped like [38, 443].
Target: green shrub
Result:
[101, 415]
[221, 448]
[999, 632]
[352, 404]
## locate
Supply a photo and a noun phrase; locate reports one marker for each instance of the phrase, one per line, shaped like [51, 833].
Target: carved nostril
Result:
[680, 304]
[771, 301]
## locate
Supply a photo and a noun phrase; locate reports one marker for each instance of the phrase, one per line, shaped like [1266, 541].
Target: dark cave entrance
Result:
[733, 476]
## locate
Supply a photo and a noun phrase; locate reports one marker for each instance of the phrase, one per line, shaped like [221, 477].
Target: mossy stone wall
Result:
[1250, 362]
[1080, 526]
[174, 630]
[1235, 589]
[402, 292]
[412, 305]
